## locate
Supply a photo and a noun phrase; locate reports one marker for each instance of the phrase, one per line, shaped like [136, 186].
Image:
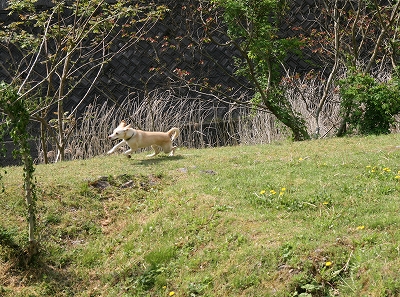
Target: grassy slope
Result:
[200, 223]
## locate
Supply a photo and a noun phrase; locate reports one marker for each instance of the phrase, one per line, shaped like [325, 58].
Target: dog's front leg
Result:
[132, 149]
[116, 147]
[128, 153]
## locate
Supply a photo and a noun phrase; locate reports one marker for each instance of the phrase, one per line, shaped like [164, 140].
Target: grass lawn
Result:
[314, 218]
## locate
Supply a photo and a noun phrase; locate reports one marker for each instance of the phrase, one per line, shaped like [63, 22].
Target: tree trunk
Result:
[32, 249]
[60, 110]
[336, 19]
[282, 110]
[296, 125]
[343, 124]
[43, 143]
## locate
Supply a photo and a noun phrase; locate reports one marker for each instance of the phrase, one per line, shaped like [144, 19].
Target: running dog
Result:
[136, 139]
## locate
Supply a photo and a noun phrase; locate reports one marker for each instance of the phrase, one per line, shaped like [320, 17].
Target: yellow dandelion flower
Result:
[397, 177]
[361, 227]
[386, 169]
[172, 293]
[325, 203]
[273, 192]
[300, 159]
[262, 192]
[283, 189]
[328, 264]
[368, 166]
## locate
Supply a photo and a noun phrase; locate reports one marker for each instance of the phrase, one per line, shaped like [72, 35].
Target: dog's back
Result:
[147, 138]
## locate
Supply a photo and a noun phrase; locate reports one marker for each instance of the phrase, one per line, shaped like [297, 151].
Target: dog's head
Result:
[120, 132]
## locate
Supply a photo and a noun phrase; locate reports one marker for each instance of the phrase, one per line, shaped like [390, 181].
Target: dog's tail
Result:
[173, 133]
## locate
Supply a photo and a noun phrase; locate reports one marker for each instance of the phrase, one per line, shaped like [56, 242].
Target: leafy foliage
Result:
[369, 106]
[253, 28]
[17, 119]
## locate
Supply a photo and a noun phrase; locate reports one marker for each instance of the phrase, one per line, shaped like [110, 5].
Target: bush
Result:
[369, 107]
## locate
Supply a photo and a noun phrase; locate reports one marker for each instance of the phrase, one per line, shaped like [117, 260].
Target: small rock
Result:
[183, 170]
[100, 184]
[128, 184]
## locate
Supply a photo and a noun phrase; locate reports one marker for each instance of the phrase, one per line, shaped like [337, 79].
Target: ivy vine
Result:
[16, 120]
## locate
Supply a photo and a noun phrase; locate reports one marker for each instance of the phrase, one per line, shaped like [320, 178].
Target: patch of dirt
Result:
[101, 183]
[126, 181]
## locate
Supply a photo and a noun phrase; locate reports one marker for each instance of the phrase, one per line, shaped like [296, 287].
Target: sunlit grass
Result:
[317, 218]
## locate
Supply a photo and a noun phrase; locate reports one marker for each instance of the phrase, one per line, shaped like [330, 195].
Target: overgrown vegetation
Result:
[16, 123]
[368, 106]
[201, 125]
[317, 218]
[60, 47]
[253, 29]
[63, 46]
[333, 36]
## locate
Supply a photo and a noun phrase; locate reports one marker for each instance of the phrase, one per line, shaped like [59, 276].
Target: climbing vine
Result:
[16, 119]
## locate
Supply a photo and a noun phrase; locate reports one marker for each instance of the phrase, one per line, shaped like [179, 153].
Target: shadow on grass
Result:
[39, 274]
[47, 279]
[157, 160]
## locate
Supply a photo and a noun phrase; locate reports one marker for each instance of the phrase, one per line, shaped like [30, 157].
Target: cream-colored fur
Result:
[136, 139]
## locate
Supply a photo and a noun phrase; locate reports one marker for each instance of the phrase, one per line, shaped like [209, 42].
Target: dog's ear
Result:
[122, 124]
[129, 126]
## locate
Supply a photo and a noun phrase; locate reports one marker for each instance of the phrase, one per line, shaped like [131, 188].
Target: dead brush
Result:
[203, 123]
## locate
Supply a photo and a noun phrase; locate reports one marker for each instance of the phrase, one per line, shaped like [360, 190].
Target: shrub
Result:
[368, 106]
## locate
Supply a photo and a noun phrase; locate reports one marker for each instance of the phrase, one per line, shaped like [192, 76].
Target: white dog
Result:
[136, 139]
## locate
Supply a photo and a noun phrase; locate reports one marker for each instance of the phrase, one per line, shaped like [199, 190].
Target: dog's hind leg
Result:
[169, 149]
[156, 149]
[172, 152]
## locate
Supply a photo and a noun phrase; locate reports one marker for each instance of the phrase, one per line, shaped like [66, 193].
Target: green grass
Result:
[317, 218]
